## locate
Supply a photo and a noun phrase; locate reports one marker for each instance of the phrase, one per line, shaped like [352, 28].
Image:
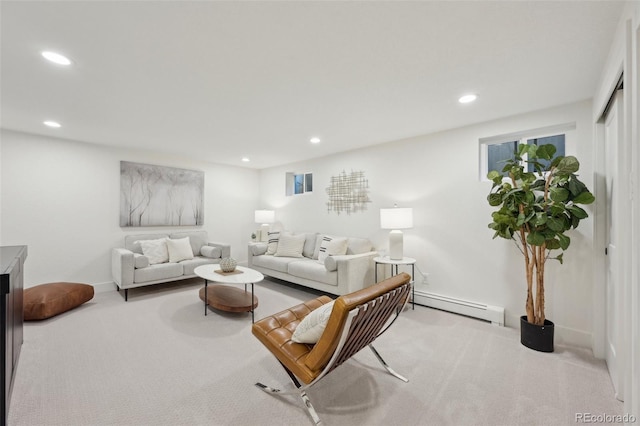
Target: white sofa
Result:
[131, 268]
[338, 274]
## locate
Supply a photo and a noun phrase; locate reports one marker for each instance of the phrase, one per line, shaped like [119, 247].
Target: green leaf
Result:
[555, 224]
[578, 212]
[559, 258]
[535, 239]
[564, 241]
[559, 194]
[541, 219]
[568, 165]
[576, 186]
[493, 174]
[584, 198]
[520, 220]
[552, 244]
[546, 151]
[494, 199]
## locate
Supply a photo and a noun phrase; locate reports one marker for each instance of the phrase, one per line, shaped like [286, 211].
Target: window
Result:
[556, 140]
[498, 153]
[298, 183]
[494, 151]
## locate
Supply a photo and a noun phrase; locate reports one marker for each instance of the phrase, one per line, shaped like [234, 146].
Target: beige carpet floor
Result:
[157, 360]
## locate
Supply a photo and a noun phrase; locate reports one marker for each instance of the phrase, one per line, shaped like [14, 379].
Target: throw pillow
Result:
[316, 248]
[211, 252]
[331, 246]
[312, 326]
[272, 242]
[140, 260]
[290, 245]
[309, 244]
[155, 250]
[179, 249]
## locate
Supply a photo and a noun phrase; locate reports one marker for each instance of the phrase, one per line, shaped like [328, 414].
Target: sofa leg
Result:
[126, 294]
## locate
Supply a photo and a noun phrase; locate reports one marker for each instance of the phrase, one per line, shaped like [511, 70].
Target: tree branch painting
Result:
[160, 196]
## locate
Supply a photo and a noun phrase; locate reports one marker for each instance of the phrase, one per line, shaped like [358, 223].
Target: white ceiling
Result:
[223, 80]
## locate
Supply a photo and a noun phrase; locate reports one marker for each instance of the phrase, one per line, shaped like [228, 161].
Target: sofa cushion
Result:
[290, 245]
[272, 242]
[179, 249]
[311, 270]
[332, 246]
[46, 300]
[359, 246]
[188, 266]
[155, 250]
[211, 252]
[160, 271]
[312, 326]
[280, 264]
[140, 260]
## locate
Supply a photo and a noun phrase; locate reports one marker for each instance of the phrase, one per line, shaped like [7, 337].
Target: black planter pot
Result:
[536, 337]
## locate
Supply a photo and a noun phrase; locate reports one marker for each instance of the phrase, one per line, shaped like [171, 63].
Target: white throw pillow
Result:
[211, 252]
[272, 242]
[290, 245]
[155, 250]
[140, 260]
[312, 326]
[179, 249]
[332, 246]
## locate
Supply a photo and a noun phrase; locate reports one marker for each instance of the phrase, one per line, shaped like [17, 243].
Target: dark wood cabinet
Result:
[12, 313]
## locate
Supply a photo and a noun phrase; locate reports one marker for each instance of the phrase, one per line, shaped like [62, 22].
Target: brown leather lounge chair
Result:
[356, 320]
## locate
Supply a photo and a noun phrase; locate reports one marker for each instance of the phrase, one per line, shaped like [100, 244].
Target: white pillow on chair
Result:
[312, 326]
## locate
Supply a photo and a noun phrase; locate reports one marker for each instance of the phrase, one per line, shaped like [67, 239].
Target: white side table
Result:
[386, 260]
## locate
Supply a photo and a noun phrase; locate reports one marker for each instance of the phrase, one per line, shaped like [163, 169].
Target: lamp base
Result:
[264, 232]
[395, 245]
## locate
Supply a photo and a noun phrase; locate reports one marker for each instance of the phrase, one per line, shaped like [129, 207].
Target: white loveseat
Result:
[132, 268]
[314, 266]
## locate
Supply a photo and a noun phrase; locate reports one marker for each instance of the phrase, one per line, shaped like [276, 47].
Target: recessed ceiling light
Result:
[467, 98]
[245, 159]
[314, 140]
[50, 123]
[56, 58]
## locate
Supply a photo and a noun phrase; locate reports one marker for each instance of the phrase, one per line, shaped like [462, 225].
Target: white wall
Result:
[437, 175]
[61, 199]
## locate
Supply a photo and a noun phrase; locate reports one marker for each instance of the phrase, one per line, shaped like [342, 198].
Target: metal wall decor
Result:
[160, 196]
[348, 193]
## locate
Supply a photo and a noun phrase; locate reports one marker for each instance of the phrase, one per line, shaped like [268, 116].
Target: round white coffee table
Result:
[224, 297]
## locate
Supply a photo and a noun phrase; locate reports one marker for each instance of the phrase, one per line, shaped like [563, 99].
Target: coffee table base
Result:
[228, 299]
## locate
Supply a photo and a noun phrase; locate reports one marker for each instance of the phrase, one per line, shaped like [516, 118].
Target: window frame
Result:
[291, 182]
[568, 130]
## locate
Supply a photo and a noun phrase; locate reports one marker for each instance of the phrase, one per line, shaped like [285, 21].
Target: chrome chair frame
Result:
[375, 317]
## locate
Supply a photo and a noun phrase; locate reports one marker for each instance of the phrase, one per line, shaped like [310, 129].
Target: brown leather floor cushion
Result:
[46, 300]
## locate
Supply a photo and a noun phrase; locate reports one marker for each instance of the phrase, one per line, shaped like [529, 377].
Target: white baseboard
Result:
[104, 287]
[493, 314]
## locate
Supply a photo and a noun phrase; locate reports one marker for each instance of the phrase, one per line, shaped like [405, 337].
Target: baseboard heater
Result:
[493, 314]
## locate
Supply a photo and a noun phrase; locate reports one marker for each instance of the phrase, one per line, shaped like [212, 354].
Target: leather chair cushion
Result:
[47, 300]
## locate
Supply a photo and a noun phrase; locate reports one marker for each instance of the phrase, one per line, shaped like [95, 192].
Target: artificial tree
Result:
[537, 209]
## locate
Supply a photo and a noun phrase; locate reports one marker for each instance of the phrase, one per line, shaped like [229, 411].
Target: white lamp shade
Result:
[396, 218]
[265, 216]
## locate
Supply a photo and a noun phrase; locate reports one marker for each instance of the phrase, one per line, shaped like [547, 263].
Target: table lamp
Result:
[264, 217]
[396, 219]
